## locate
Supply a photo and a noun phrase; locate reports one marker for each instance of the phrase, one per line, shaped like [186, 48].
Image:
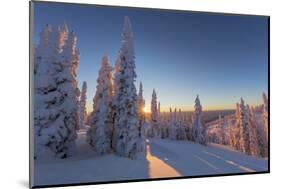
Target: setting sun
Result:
[145, 110]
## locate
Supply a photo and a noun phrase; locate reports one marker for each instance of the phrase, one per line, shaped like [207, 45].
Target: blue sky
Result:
[180, 54]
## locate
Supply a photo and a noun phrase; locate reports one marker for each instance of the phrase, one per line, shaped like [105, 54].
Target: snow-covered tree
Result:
[100, 133]
[232, 139]
[141, 116]
[220, 129]
[159, 110]
[188, 127]
[198, 127]
[41, 54]
[141, 105]
[262, 143]
[126, 124]
[173, 124]
[244, 128]
[254, 145]
[164, 125]
[82, 106]
[265, 115]
[237, 130]
[181, 135]
[56, 93]
[115, 103]
[154, 115]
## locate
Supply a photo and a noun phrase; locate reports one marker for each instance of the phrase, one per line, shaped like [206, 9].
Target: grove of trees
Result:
[118, 123]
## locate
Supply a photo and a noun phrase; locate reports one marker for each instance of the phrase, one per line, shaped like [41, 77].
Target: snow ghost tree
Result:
[244, 128]
[126, 123]
[164, 125]
[181, 126]
[254, 146]
[159, 116]
[115, 103]
[237, 133]
[82, 106]
[265, 115]
[154, 115]
[198, 127]
[40, 50]
[222, 124]
[56, 93]
[141, 104]
[100, 133]
[141, 116]
[173, 124]
[232, 139]
[221, 129]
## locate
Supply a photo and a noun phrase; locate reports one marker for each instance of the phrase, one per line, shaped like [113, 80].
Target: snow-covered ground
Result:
[165, 158]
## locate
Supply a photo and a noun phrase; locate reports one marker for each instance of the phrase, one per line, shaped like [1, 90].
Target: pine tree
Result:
[265, 115]
[82, 106]
[172, 125]
[232, 139]
[237, 130]
[141, 116]
[126, 139]
[115, 102]
[254, 146]
[164, 125]
[244, 128]
[100, 133]
[154, 115]
[141, 105]
[262, 143]
[221, 129]
[198, 127]
[56, 92]
[181, 128]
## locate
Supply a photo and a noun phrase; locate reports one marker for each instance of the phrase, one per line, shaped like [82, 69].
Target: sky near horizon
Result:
[180, 54]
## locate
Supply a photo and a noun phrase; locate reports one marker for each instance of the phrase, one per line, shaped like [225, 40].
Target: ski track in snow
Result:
[164, 158]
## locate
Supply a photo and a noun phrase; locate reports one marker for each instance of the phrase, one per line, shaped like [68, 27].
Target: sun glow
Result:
[145, 110]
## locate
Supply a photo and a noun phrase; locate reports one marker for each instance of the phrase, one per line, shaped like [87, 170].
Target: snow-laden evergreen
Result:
[244, 128]
[100, 133]
[82, 106]
[181, 135]
[126, 123]
[56, 93]
[222, 125]
[237, 130]
[265, 115]
[115, 102]
[154, 116]
[254, 146]
[198, 127]
[141, 116]
[164, 122]
[159, 110]
[173, 125]
[141, 104]
[232, 139]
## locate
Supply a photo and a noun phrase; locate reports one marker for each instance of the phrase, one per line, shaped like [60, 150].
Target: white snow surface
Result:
[165, 158]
